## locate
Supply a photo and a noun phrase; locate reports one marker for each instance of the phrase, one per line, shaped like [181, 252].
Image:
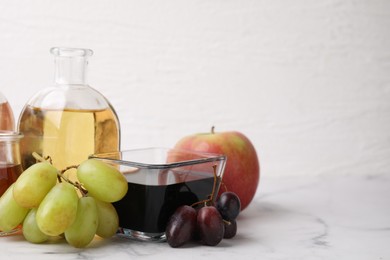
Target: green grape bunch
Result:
[47, 204]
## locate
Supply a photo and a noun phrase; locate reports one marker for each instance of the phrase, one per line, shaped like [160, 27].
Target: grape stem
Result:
[227, 222]
[211, 198]
[78, 185]
[48, 158]
[68, 168]
[224, 186]
[40, 158]
[60, 174]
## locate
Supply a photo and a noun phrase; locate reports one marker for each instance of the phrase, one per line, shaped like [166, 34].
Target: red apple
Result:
[242, 170]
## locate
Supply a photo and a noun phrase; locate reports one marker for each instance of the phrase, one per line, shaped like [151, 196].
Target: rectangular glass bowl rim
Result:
[207, 157]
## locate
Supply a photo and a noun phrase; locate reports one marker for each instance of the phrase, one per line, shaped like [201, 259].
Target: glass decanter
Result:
[70, 120]
[6, 115]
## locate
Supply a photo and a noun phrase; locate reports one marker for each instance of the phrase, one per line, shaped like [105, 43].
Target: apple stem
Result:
[212, 129]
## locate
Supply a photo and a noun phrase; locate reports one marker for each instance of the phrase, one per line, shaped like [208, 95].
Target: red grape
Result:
[210, 226]
[229, 205]
[181, 226]
[230, 229]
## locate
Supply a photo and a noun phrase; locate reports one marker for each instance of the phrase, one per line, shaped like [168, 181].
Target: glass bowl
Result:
[159, 181]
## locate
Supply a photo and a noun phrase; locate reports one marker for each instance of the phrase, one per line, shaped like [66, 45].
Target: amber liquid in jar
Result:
[8, 175]
[67, 136]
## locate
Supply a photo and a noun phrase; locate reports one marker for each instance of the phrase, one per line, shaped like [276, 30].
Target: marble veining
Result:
[297, 217]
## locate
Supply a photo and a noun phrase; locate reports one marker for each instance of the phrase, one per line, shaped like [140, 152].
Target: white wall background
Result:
[307, 81]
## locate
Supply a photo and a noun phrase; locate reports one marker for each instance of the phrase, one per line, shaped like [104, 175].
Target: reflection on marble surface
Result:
[301, 217]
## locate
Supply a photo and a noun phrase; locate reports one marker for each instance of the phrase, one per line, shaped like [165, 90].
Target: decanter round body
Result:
[69, 121]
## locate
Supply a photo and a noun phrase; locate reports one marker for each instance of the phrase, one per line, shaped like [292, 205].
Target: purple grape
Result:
[229, 205]
[230, 229]
[181, 226]
[210, 226]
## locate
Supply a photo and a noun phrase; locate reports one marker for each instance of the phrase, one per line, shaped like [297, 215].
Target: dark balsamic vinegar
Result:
[147, 208]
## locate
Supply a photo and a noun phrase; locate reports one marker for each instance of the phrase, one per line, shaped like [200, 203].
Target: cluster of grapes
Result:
[47, 204]
[210, 224]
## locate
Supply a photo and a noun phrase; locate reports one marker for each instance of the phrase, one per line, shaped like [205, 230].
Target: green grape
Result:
[31, 231]
[34, 183]
[58, 209]
[83, 229]
[108, 219]
[11, 213]
[102, 181]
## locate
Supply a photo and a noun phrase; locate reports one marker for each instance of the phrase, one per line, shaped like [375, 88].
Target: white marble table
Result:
[320, 217]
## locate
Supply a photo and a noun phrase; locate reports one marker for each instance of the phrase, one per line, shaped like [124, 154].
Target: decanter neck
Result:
[71, 65]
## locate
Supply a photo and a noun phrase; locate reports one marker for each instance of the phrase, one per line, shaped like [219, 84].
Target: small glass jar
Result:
[10, 163]
[159, 181]
[7, 121]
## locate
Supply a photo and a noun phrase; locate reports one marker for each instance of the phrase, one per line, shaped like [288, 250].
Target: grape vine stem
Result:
[60, 174]
[210, 200]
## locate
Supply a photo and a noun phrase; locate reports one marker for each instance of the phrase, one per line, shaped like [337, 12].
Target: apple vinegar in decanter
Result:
[70, 120]
[67, 136]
